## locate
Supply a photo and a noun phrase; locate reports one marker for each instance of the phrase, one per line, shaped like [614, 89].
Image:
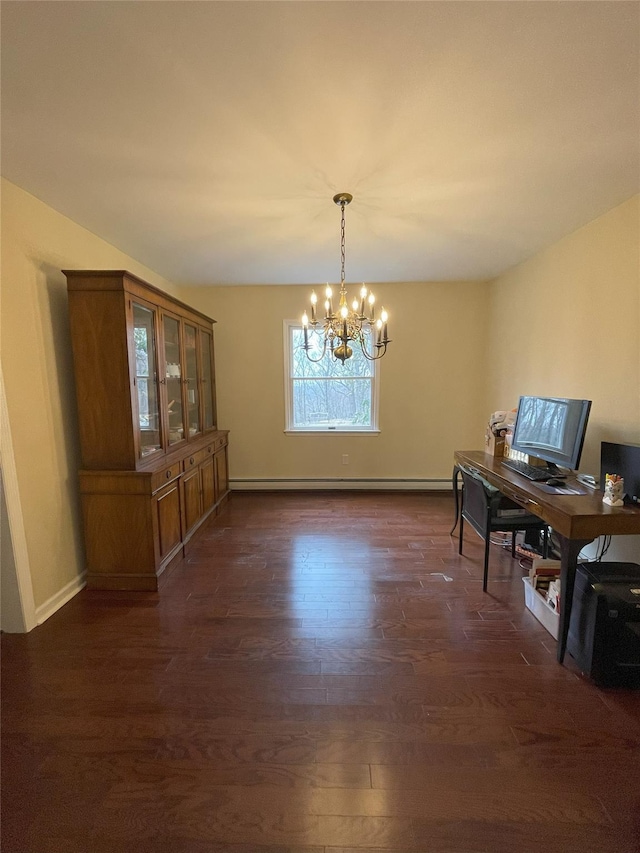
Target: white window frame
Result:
[290, 429]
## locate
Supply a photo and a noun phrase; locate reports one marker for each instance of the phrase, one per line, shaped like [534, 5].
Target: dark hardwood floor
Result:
[322, 674]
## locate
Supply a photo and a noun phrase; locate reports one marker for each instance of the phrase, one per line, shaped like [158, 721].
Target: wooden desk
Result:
[577, 519]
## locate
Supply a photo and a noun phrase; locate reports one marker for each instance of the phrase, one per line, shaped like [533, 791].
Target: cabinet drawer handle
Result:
[209, 449]
[191, 461]
[168, 474]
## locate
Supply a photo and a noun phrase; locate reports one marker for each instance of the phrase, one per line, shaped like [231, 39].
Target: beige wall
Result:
[431, 383]
[38, 242]
[587, 288]
[580, 302]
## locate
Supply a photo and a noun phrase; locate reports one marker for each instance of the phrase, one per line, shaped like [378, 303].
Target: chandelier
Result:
[347, 325]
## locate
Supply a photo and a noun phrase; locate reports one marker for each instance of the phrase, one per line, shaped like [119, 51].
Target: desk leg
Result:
[569, 550]
[454, 482]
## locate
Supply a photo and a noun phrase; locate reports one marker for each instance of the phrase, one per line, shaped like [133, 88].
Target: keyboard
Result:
[532, 472]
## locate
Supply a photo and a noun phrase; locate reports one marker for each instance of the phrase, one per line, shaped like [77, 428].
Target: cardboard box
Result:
[493, 444]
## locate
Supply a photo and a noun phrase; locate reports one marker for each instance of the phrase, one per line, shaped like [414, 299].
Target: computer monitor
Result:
[552, 429]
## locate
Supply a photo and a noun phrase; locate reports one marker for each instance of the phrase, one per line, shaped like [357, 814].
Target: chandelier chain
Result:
[342, 244]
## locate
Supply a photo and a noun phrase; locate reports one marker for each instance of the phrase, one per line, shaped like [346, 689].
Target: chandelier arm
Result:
[306, 348]
[381, 347]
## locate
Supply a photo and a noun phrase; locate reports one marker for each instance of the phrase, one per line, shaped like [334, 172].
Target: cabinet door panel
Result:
[191, 379]
[208, 484]
[146, 378]
[173, 378]
[169, 527]
[207, 377]
[192, 502]
[222, 483]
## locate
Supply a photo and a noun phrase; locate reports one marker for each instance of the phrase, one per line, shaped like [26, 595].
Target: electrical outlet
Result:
[345, 458]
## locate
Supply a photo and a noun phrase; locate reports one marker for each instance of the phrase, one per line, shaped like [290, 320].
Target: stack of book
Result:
[553, 594]
[545, 579]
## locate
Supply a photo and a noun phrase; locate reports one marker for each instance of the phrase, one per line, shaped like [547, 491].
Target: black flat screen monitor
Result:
[552, 428]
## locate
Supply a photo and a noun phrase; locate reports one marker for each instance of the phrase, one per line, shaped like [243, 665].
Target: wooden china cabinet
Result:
[154, 463]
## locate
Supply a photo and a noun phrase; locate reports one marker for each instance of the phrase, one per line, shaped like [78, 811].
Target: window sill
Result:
[336, 431]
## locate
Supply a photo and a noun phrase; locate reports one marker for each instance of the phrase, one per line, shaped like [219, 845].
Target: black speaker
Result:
[622, 459]
[604, 629]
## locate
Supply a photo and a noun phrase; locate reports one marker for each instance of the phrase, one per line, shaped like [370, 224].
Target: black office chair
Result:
[482, 506]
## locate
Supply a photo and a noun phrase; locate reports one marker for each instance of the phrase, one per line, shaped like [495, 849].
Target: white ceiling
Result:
[206, 139]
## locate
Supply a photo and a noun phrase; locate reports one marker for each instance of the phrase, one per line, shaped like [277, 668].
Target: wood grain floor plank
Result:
[506, 836]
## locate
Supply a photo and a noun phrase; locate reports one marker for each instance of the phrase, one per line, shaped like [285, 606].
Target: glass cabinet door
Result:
[191, 371]
[146, 379]
[173, 379]
[206, 361]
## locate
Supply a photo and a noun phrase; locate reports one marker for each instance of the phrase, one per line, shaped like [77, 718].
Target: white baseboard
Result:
[60, 598]
[344, 484]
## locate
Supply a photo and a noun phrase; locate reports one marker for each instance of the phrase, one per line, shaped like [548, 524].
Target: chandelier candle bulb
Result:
[329, 301]
[314, 299]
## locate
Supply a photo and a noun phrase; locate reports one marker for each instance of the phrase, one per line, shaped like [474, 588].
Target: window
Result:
[327, 395]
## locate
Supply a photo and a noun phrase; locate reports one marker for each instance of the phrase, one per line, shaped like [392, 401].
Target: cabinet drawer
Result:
[516, 494]
[215, 445]
[194, 459]
[164, 476]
